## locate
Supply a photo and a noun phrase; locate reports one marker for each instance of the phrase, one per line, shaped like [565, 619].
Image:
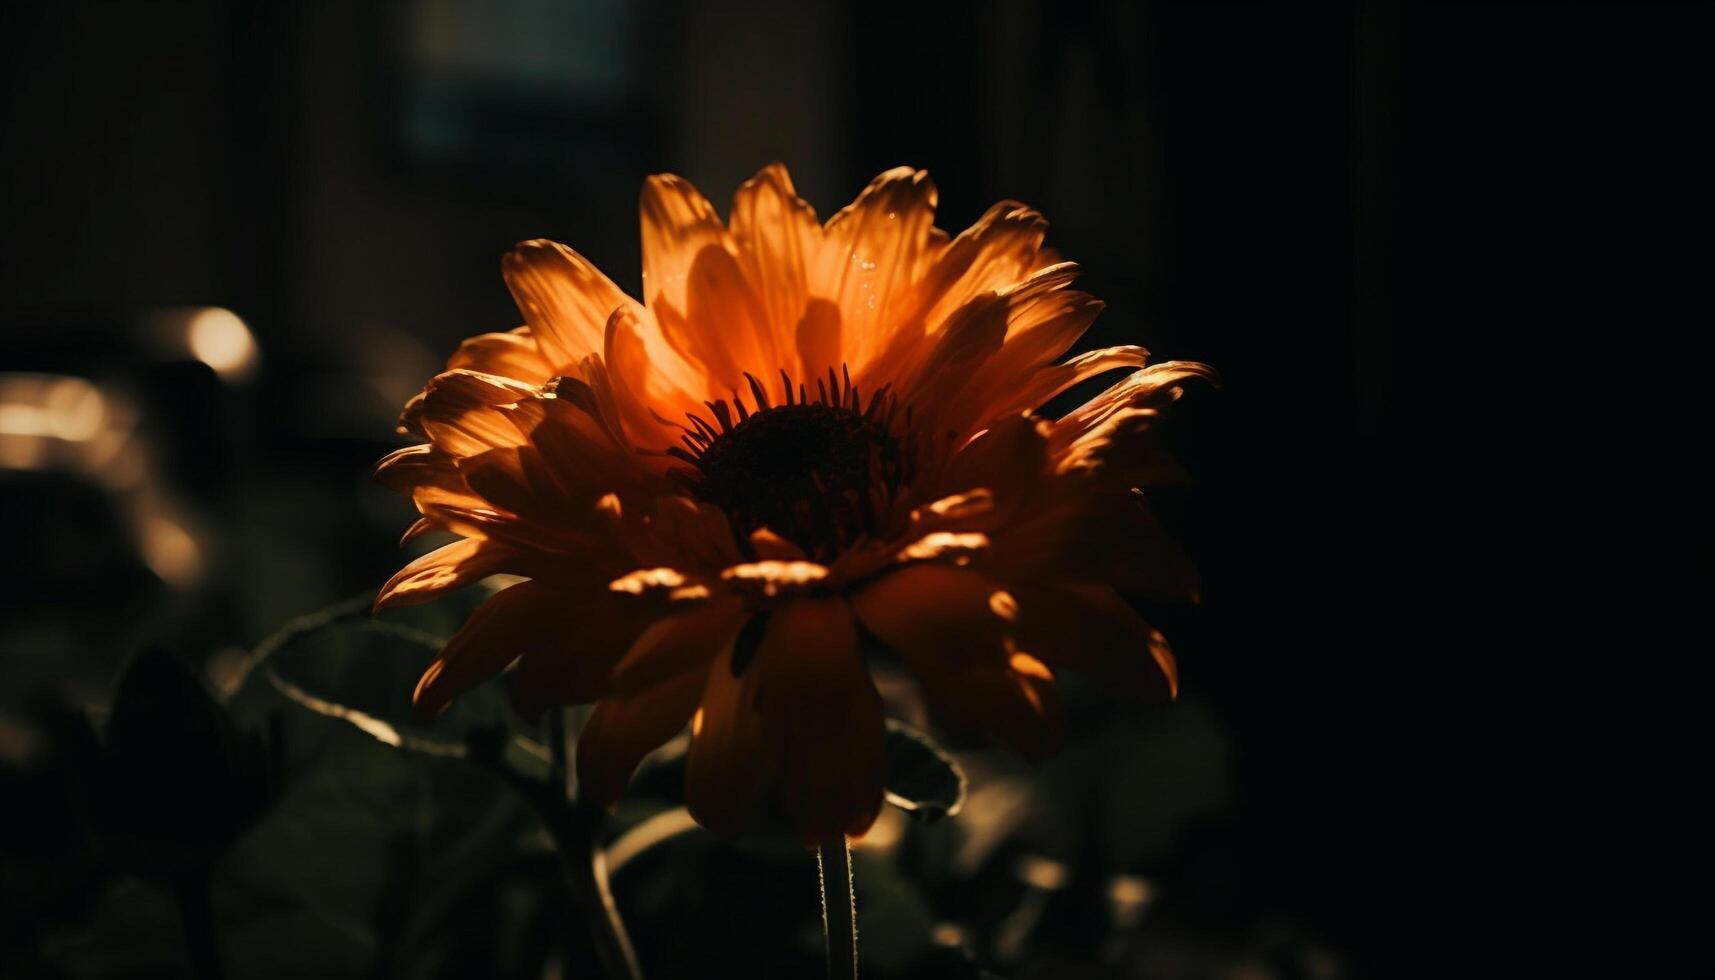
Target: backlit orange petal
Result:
[419, 528]
[677, 224]
[817, 337]
[1034, 391]
[1154, 387]
[874, 253]
[459, 412]
[1039, 330]
[403, 470]
[722, 328]
[513, 354]
[650, 385]
[779, 242]
[442, 570]
[1039, 318]
[460, 510]
[564, 298]
[994, 254]
[953, 356]
[1003, 247]
[819, 704]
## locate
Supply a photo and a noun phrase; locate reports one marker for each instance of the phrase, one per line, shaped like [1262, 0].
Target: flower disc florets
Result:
[816, 470]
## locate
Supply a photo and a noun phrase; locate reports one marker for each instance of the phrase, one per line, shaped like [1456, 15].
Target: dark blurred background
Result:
[236, 237]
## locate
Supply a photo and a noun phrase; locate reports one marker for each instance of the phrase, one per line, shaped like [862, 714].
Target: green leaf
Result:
[345, 664]
[377, 861]
[922, 780]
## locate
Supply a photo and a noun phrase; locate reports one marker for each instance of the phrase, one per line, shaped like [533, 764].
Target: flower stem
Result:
[839, 909]
[196, 909]
[576, 829]
[586, 873]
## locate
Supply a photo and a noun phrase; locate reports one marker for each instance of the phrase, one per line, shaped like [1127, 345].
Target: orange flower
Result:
[806, 433]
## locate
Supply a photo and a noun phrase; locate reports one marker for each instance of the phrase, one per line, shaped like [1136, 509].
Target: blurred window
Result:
[546, 85]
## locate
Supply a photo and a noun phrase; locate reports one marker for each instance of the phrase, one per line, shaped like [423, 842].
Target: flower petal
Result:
[596, 628]
[779, 242]
[817, 338]
[676, 645]
[460, 411]
[732, 764]
[624, 728]
[565, 299]
[677, 224]
[515, 479]
[999, 251]
[952, 357]
[1039, 330]
[952, 627]
[820, 705]
[403, 470]
[1090, 629]
[1093, 526]
[650, 384]
[652, 692]
[527, 617]
[442, 570]
[949, 380]
[938, 612]
[579, 454]
[1032, 392]
[513, 354]
[1003, 247]
[1148, 390]
[1008, 459]
[875, 248]
[687, 533]
[723, 330]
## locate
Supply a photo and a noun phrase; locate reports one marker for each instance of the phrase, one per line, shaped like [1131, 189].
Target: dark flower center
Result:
[817, 470]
